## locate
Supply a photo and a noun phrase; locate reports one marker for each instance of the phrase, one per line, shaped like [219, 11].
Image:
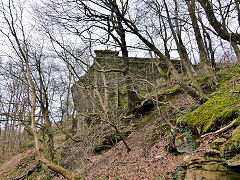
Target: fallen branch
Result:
[226, 127]
[221, 130]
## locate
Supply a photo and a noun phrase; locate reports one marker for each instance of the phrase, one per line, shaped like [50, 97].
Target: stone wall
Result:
[139, 68]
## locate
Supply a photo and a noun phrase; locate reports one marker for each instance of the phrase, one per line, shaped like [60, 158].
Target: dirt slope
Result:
[9, 166]
[145, 161]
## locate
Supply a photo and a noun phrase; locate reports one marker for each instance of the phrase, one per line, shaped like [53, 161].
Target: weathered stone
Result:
[186, 158]
[205, 168]
[181, 174]
[180, 139]
[217, 143]
[195, 160]
[234, 162]
[214, 167]
[205, 175]
[234, 165]
[139, 67]
[108, 142]
[232, 146]
[182, 144]
[222, 168]
[215, 159]
[212, 152]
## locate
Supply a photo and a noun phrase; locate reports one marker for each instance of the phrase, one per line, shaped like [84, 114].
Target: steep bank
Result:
[206, 145]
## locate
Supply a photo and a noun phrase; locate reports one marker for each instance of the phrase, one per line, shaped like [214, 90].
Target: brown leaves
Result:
[143, 162]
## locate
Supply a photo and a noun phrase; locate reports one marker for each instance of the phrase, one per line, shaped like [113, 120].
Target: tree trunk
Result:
[205, 64]
[183, 52]
[56, 168]
[169, 63]
[133, 99]
[218, 27]
[236, 50]
[74, 126]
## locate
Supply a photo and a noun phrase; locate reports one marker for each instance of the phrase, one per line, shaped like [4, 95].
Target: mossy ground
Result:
[220, 109]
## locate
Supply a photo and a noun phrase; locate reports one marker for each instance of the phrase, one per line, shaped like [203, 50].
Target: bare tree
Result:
[107, 22]
[134, 29]
[205, 63]
[15, 33]
[12, 109]
[181, 47]
[219, 26]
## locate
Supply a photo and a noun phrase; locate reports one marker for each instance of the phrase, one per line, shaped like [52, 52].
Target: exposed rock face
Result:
[205, 168]
[218, 159]
[217, 143]
[234, 164]
[108, 142]
[206, 175]
[212, 164]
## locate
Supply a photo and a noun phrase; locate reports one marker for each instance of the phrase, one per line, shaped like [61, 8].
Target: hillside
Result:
[206, 143]
[120, 89]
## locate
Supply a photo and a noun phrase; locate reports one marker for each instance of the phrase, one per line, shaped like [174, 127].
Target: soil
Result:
[144, 161]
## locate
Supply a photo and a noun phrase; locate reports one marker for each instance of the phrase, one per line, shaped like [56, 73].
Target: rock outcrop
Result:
[206, 168]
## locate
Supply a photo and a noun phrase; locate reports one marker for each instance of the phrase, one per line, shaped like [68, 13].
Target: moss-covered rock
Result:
[225, 76]
[220, 109]
[232, 146]
[29, 168]
[217, 143]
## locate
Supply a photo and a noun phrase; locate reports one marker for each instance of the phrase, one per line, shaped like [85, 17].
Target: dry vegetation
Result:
[68, 110]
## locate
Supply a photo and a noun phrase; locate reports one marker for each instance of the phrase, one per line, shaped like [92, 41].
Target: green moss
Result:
[233, 176]
[143, 93]
[23, 166]
[201, 80]
[236, 137]
[122, 92]
[232, 145]
[169, 90]
[225, 76]
[218, 110]
[122, 99]
[122, 102]
[28, 144]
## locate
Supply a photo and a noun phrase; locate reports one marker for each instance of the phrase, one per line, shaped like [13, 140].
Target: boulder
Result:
[234, 163]
[183, 143]
[231, 147]
[217, 143]
[108, 142]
